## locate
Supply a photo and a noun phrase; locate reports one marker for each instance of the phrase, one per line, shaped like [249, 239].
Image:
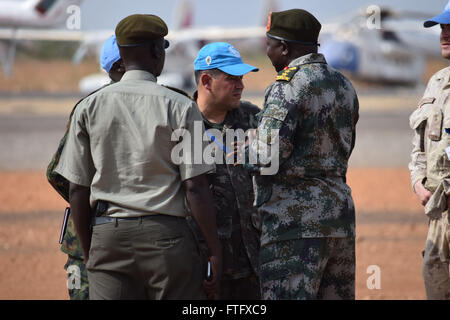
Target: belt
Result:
[106, 219]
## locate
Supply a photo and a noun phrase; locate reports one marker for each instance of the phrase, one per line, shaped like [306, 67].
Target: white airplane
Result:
[391, 50]
[185, 41]
[31, 20]
[34, 13]
[369, 54]
[26, 20]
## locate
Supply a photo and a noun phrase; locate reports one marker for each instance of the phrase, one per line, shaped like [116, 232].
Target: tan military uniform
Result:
[125, 157]
[120, 145]
[431, 164]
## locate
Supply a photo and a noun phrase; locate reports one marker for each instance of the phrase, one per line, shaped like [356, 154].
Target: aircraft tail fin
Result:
[44, 6]
[270, 6]
[184, 15]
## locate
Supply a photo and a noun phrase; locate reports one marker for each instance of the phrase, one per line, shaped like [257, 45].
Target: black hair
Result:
[212, 72]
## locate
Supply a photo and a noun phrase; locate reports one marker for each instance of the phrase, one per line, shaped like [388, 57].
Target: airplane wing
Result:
[41, 34]
[10, 37]
[207, 34]
[216, 33]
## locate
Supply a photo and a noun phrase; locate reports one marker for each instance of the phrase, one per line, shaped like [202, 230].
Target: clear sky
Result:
[104, 14]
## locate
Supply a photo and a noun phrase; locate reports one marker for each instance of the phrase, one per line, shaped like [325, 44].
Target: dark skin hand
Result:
[80, 210]
[200, 200]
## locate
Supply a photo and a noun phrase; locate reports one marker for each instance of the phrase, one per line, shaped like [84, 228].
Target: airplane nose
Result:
[340, 55]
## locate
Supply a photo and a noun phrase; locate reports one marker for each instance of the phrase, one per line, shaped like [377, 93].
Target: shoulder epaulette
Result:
[178, 91]
[286, 74]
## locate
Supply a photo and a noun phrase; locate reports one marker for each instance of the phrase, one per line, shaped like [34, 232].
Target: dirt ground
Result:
[391, 227]
[391, 232]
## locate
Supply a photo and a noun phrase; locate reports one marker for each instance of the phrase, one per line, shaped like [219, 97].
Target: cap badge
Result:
[208, 60]
[269, 21]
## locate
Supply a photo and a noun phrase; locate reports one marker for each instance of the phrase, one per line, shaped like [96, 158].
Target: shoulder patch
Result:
[286, 74]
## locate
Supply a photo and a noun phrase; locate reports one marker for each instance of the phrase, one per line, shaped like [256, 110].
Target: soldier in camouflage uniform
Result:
[79, 287]
[430, 168]
[218, 71]
[308, 215]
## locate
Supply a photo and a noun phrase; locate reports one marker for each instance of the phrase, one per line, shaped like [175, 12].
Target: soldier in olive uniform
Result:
[111, 62]
[430, 168]
[308, 216]
[219, 70]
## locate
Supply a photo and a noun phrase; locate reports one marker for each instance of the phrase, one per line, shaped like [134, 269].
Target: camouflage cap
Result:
[138, 29]
[295, 25]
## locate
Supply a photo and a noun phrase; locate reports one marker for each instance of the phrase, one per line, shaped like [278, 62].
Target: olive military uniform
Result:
[119, 145]
[78, 288]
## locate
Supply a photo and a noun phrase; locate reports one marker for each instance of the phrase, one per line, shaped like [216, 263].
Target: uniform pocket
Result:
[169, 242]
[418, 122]
[224, 210]
[435, 126]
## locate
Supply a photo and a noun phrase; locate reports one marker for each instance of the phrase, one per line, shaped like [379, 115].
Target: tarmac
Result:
[32, 125]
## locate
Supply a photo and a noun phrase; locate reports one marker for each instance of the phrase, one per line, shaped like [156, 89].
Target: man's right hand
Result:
[212, 285]
[81, 215]
[422, 193]
[200, 200]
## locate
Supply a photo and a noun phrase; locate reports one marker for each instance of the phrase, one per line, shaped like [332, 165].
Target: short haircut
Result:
[212, 72]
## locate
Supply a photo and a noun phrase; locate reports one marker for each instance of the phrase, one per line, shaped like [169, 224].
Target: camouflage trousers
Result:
[308, 268]
[77, 279]
[435, 268]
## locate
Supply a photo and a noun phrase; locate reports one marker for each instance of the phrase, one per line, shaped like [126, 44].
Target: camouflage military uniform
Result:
[237, 220]
[431, 165]
[308, 229]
